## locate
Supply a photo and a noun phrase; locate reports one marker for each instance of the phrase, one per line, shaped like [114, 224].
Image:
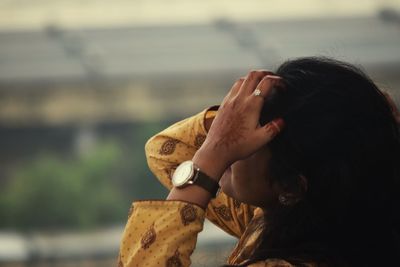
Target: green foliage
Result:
[50, 192]
[84, 191]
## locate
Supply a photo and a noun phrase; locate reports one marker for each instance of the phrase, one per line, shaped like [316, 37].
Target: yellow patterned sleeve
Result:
[160, 233]
[178, 143]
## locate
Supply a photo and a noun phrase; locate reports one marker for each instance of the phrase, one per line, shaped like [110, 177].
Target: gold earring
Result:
[284, 200]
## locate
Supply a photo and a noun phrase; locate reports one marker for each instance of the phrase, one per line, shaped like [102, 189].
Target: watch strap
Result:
[203, 180]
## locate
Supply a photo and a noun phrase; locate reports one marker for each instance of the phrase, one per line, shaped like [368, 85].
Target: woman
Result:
[307, 160]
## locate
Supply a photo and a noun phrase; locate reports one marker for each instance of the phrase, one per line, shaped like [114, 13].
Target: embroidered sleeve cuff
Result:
[161, 231]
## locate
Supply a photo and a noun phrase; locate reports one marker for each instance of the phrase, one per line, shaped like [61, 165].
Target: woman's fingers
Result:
[234, 90]
[253, 78]
[266, 133]
[262, 91]
[265, 85]
[255, 83]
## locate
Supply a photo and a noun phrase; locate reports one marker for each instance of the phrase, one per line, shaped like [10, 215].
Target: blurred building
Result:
[83, 80]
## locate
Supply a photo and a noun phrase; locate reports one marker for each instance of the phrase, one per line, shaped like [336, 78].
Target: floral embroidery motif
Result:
[120, 264]
[174, 261]
[149, 237]
[168, 147]
[236, 203]
[223, 212]
[130, 211]
[199, 140]
[188, 214]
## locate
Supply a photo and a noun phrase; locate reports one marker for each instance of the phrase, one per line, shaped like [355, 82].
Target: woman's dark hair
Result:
[340, 134]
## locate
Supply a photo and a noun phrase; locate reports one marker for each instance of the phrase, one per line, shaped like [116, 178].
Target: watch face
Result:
[183, 173]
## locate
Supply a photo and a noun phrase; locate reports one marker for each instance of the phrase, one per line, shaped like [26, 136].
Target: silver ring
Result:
[257, 92]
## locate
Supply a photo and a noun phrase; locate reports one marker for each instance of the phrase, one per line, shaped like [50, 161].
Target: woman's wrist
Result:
[210, 162]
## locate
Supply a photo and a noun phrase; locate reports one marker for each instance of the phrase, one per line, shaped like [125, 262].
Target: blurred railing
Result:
[96, 248]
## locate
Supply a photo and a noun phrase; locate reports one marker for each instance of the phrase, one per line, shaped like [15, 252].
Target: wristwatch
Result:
[187, 174]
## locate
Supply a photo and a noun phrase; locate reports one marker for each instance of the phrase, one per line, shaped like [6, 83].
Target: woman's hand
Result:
[235, 132]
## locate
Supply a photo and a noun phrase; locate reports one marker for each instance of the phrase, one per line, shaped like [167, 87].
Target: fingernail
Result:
[267, 72]
[277, 81]
[279, 123]
[274, 77]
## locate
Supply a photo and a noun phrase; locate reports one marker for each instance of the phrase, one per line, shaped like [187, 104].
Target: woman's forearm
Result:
[211, 165]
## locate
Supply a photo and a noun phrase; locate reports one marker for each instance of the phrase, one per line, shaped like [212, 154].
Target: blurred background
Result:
[84, 84]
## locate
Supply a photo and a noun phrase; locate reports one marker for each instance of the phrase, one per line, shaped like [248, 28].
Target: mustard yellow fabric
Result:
[164, 233]
[160, 233]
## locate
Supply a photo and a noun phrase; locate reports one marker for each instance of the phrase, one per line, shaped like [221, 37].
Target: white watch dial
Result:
[183, 173]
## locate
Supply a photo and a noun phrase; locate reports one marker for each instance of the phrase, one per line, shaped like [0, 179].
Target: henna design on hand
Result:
[233, 131]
